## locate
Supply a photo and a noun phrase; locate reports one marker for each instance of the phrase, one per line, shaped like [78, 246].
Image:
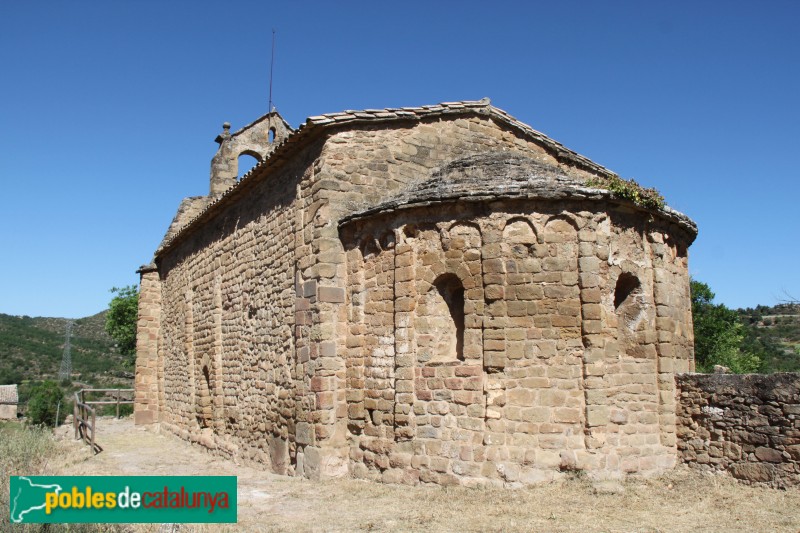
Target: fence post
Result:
[83, 408]
[94, 428]
[75, 415]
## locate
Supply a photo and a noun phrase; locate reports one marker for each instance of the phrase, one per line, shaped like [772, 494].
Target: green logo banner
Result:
[122, 499]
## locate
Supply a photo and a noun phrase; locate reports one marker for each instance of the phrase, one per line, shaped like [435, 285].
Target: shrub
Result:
[718, 334]
[44, 404]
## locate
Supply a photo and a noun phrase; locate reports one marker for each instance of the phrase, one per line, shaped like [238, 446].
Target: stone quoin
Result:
[436, 294]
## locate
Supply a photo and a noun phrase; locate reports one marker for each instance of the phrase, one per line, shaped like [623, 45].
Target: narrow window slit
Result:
[451, 337]
[627, 284]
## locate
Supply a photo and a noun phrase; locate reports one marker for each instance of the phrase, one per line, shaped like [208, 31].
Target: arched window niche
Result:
[204, 404]
[628, 300]
[446, 319]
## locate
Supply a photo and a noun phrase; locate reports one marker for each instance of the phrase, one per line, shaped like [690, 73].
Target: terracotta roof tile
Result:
[8, 394]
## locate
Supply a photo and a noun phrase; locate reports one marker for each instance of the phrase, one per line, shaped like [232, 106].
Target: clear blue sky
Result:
[108, 112]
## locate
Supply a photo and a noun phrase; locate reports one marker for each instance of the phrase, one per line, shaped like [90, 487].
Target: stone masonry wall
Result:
[148, 371]
[232, 380]
[553, 375]
[748, 425]
[358, 169]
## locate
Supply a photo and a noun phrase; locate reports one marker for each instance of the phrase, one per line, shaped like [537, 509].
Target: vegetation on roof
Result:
[629, 190]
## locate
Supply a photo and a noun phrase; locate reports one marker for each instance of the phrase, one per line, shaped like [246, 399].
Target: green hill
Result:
[32, 348]
[773, 333]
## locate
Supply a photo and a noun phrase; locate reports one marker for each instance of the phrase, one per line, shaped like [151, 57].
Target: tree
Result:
[121, 319]
[718, 334]
[43, 404]
[9, 376]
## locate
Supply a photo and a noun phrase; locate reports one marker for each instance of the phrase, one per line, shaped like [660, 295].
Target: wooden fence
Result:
[84, 418]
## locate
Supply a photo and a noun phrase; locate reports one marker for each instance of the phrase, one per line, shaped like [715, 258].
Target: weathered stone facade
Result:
[748, 425]
[418, 295]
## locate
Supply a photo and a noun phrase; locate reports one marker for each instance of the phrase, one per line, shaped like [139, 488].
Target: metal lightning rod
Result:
[271, 66]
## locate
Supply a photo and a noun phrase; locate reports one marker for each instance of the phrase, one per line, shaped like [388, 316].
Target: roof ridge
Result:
[314, 122]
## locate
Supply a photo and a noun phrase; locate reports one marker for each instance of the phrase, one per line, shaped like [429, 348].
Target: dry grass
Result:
[29, 451]
[681, 501]
[23, 451]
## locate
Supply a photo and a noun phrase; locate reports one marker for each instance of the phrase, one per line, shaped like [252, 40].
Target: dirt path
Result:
[682, 501]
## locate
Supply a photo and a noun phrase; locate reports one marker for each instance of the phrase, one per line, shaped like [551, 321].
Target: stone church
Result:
[436, 294]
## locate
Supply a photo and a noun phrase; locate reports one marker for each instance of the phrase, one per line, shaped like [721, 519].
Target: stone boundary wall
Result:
[748, 425]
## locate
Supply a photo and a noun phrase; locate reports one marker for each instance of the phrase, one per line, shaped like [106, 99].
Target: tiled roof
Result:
[8, 394]
[370, 116]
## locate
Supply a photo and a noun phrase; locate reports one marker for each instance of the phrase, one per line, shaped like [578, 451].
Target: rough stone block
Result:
[304, 433]
[769, 455]
[141, 418]
[310, 288]
[757, 472]
[597, 415]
